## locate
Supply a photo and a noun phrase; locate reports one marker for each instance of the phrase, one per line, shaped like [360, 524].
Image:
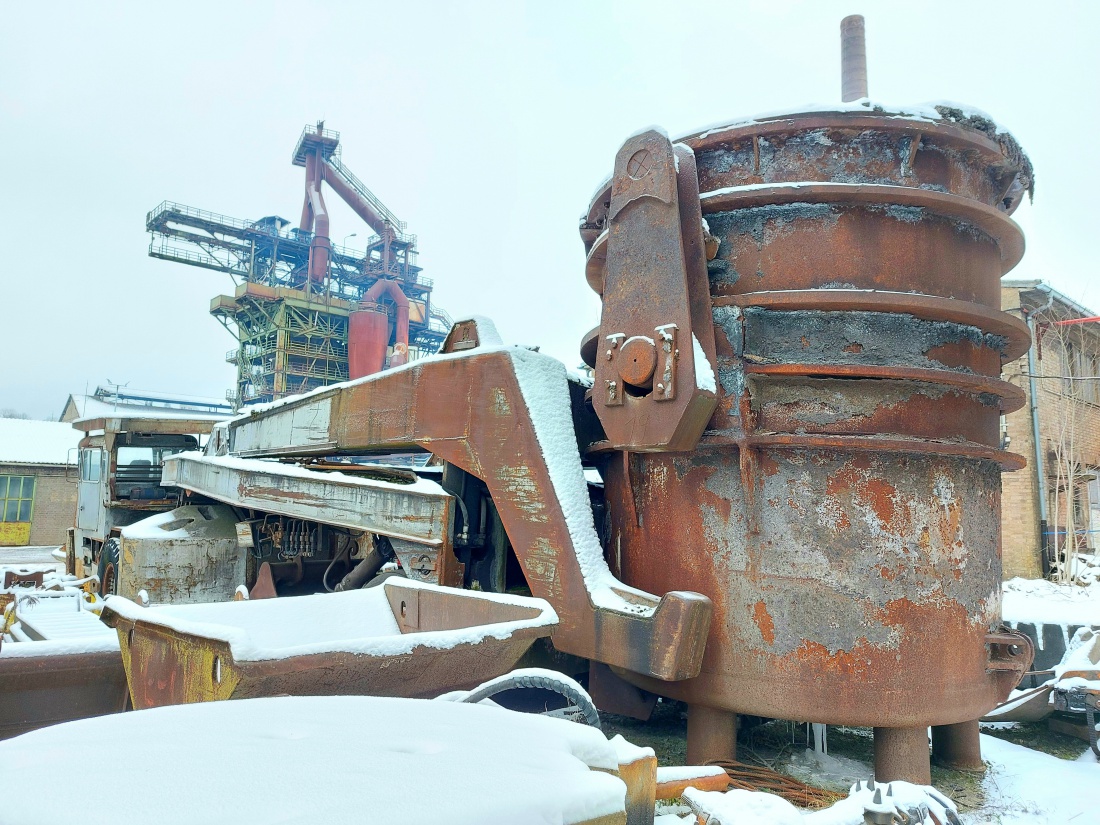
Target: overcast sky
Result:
[485, 126]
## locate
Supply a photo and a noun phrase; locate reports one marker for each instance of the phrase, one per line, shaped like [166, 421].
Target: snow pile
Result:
[354, 621]
[1085, 569]
[627, 753]
[900, 798]
[487, 335]
[178, 525]
[685, 773]
[59, 647]
[937, 111]
[704, 373]
[738, 807]
[1026, 787]
[59, 621]
[1082, 657]
[908, 802]
[1038, 601]
[227, 762]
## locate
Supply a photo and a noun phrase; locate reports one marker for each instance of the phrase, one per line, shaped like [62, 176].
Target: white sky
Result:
[485, 126]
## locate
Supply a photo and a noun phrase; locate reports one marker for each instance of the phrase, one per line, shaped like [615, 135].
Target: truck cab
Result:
[120, 465]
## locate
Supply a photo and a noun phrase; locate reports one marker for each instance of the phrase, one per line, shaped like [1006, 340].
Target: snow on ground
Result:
[1022, 786]
[1042, 602]
[30, 558]
[1026, 787]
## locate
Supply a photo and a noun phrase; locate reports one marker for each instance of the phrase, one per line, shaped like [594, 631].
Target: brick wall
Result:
[1020, 490]
[54, 500]
[1058, 411]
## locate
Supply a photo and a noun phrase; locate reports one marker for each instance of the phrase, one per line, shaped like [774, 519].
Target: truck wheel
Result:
[108, 567]
[534, 690]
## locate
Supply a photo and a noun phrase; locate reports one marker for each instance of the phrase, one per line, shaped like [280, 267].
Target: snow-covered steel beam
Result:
[421, 512]
[504, 415]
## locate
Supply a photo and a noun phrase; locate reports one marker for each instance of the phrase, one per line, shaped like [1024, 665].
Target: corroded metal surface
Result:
[842, 509]
[839, 578]
[421, 513]
[168, 667]
[186, 555]
[958, 746]
[51, 687]
[647, 390]
[469, 410]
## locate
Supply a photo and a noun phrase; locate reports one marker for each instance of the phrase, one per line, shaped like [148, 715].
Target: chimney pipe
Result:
[853, 58]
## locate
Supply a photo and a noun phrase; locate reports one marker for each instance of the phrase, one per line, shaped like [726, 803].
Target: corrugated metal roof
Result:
[37, 442]
[89, 406]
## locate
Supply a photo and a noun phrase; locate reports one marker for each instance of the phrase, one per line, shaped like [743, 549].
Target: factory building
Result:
[37, 481]
[1051, 509]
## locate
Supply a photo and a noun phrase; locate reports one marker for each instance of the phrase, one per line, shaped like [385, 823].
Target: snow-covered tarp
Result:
[360, 760]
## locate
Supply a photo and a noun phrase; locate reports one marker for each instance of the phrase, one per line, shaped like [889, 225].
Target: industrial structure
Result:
[296, 291]
[795, 412]
[37, 493]
[1052, 510]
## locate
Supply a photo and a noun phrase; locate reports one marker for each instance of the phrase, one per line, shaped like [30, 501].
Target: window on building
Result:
[1071, 369]
[1091, 389]
[16, 498]
[1080, 370]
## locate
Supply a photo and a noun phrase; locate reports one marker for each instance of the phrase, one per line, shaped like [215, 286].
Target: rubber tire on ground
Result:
[528, 681]
[107, 568]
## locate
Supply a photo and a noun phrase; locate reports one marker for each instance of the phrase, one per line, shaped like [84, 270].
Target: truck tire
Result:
[108, 567]
[571, 700]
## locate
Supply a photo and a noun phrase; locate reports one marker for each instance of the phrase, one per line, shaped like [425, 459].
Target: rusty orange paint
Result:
[880, 494]
[841, 662]
[966, 355]
[764, 621]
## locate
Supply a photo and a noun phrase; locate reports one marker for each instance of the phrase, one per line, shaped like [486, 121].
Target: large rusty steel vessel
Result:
[795, 410]
[798, 371]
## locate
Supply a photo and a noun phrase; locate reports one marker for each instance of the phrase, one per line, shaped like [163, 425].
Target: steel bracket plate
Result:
[655, 302]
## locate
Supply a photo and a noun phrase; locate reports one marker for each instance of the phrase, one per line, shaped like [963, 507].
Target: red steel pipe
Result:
[368, 331]
[306, 224]
[320, 247]
[368, 334]
[364, 210]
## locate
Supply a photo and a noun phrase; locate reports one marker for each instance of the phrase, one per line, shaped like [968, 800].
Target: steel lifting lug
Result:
[656, 337]
[1009, 650]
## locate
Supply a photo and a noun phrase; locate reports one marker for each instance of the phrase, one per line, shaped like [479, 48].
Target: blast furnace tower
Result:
[296, 290]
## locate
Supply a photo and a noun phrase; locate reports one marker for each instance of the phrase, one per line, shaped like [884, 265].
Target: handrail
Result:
[366, 194]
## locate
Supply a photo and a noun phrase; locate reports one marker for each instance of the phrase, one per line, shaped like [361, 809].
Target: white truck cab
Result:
[120, 465]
